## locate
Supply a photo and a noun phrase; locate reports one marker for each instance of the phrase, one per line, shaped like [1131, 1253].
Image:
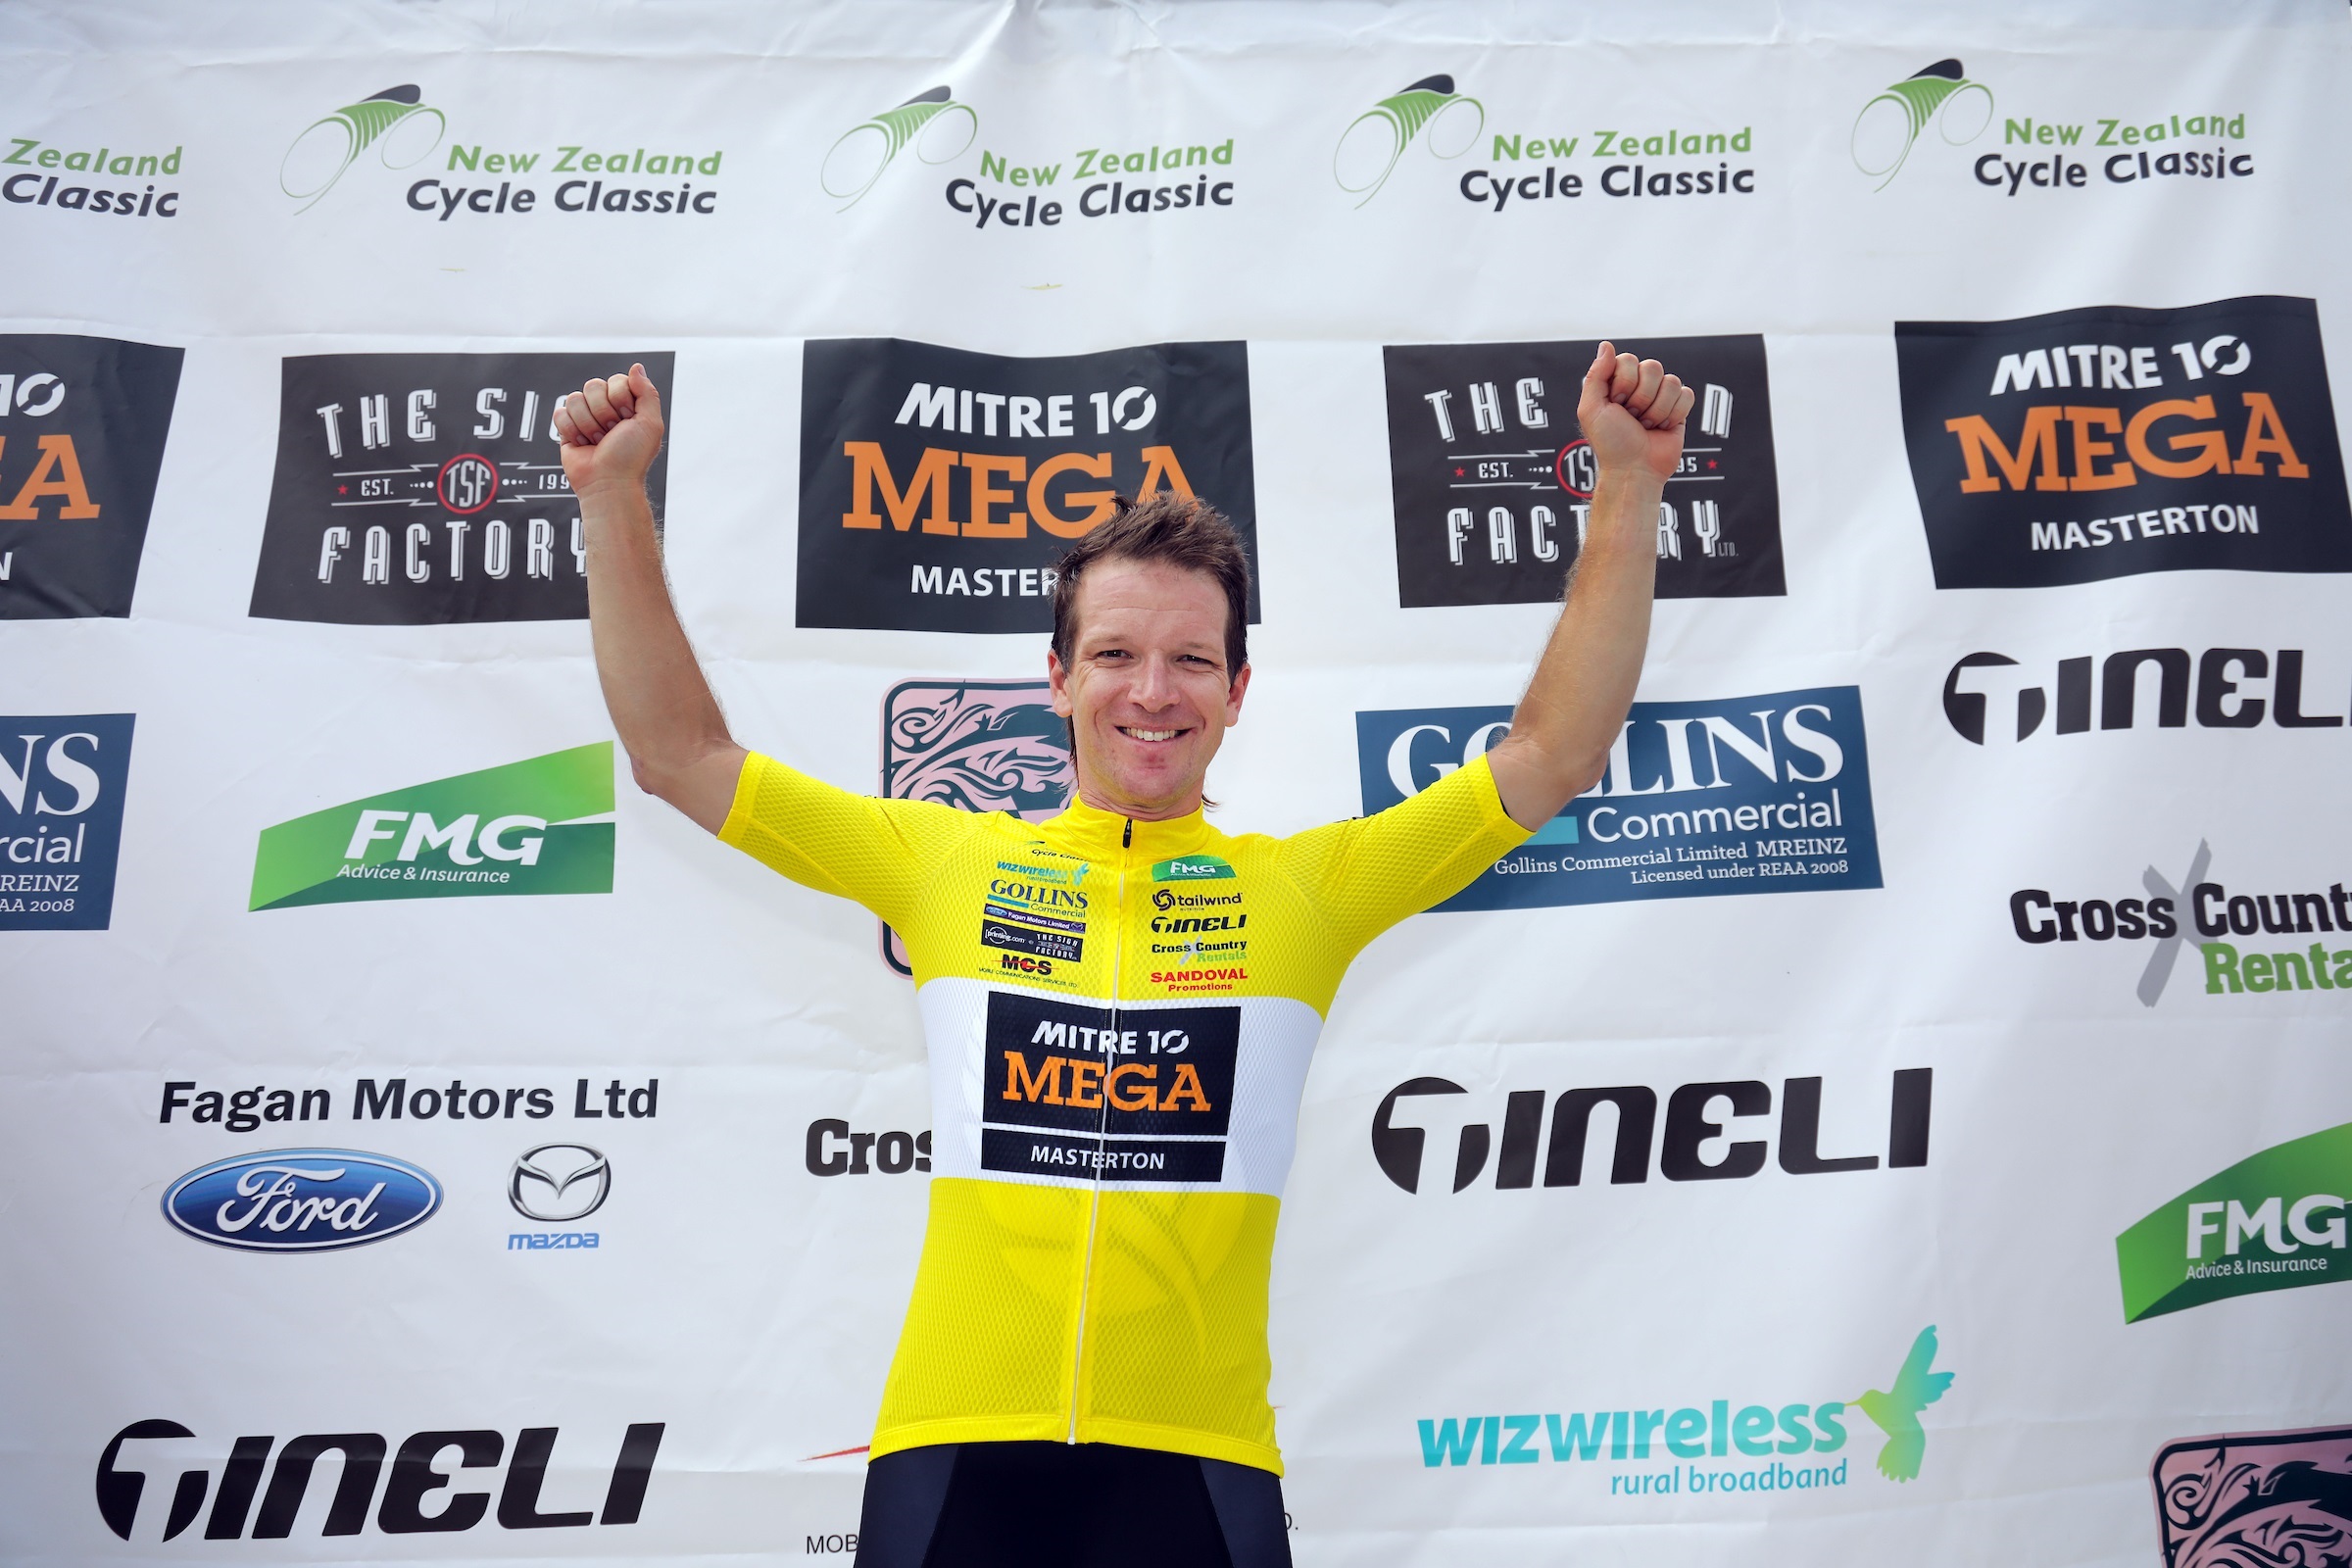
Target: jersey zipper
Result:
[1094, 1215]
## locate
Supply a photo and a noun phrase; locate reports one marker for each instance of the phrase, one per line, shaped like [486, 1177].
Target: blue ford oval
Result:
[300, 1199]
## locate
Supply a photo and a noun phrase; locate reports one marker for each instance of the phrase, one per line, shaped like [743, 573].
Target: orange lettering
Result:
[869, 469]
[2088, 452]
[2214, 445]
[1161, 468]
[58, 472]
[2038, 438]
[1044, 1085]
[1142, 1098]
[1040, 506]
[1086, 1082]
[985, 497]
[1186, 1087]
[2264, 433]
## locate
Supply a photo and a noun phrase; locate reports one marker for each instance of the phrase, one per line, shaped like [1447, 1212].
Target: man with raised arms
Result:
[1082, 1375]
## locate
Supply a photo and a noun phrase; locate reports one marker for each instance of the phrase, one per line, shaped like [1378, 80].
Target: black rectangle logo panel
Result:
[1125, 1159]
[1157, 1071]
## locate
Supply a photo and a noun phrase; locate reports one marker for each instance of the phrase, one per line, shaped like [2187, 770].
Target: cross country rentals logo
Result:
[2271, 1222]
[1767, 1446]
[2250, 1499]
[1429, 111]
[397, 123]
[1888, 128]
[83, 424]
[939, 128]
[543, 825]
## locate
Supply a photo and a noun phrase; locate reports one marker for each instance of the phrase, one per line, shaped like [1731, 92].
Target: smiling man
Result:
[1120, 1003]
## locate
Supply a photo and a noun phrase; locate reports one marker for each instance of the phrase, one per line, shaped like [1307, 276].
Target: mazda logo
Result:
[558, 1182]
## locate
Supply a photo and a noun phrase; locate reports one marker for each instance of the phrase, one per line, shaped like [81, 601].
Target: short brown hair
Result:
[1179, 530]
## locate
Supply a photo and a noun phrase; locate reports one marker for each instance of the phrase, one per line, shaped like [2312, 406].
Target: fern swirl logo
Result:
[1372, 144]
[393, 122]
[940, 127]
[1889, 125]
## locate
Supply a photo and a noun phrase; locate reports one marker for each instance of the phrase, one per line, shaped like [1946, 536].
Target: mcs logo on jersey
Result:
[522, 828]
[2112, 441]
[1764, 793]
[82, 421]
[939, 487]
[420, 489]
[1494, 481]
[62, 778]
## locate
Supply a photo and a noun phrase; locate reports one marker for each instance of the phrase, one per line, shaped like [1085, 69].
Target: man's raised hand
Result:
[1633, 413]
[610, 431]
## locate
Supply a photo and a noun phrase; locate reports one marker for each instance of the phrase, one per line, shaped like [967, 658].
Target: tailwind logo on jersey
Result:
[395, 122]
[1889, 125]
[1371, 146]
[2271, 1222]
[940, 127]
[543, 825]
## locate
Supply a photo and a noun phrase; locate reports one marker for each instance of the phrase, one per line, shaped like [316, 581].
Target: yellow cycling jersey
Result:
[1119, 1016]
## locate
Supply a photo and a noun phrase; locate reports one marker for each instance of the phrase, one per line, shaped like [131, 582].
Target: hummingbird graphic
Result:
[1897, 1413]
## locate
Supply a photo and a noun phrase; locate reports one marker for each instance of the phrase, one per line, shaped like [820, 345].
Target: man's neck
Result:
[1167, 811]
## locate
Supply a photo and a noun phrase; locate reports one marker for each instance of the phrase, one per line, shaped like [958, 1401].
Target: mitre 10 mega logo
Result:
[2112, 441]
[416, 489]
[82, 421]
[939, 487]
[1494, 481]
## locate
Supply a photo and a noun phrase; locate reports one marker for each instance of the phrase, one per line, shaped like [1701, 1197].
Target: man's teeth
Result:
[1152, 734]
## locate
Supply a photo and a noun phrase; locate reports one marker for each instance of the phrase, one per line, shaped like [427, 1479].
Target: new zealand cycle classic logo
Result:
[1770, 1447]
[2274, 1221]
[396, 125]
[1429, 111]
[539, 826]
[933, 122]
[1889, 125]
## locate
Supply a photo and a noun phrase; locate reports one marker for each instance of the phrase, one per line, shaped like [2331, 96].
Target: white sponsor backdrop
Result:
[750, 1306]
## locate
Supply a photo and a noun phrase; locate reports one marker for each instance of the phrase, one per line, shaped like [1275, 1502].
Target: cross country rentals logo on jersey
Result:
[1492, 483]
[939, 487]
[1888, 128]
[538, 826]
[1763, 794]
[2111, 441]
[422, 489]
[115, 181]
[82, 422]
[2271, 1222]
[62, 783]
[1427, 111]
[2239, 1500]
[1767, 1447]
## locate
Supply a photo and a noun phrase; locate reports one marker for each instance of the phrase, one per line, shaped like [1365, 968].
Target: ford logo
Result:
[300, 1199]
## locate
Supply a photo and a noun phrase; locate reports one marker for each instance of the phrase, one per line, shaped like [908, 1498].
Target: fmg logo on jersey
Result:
[62, 778]
[1763, 794]
[542, 825]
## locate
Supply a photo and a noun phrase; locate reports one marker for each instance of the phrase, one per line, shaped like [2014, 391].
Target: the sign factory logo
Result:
[1492, 483]
[532, 827]
[2256, 1497]
[939, 487]
[2271, 1222]
[978, 745]
[1763, 794]
[111, 181]
[1710, 1448]
[82, 421]
[1888, 128]
[2111, 441]
[397, 128]
[416, 489]
[62, 782]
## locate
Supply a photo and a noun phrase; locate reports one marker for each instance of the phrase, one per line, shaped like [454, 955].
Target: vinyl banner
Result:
[1897, 1108]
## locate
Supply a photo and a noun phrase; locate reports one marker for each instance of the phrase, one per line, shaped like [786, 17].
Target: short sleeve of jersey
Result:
[1368, 873]
[877, 852]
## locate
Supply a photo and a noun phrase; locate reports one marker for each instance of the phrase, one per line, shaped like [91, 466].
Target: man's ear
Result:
[1234, 695]
[1057, 678]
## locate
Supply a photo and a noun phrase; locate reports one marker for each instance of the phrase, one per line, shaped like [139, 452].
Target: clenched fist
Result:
[611, 432]
[1633, 413]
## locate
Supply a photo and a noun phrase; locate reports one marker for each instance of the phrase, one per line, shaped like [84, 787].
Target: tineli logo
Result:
[1889, 125]
[543, 825]
[2271, 1222]
[1371, 146]
[940, 128]
[395, 122]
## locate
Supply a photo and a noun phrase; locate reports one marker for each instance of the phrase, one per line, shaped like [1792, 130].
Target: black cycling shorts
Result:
[1068, 1505]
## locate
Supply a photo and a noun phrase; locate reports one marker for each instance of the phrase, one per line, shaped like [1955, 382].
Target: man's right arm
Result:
[669, 723]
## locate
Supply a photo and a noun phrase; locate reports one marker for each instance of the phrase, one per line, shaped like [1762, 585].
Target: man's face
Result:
[1147, 690]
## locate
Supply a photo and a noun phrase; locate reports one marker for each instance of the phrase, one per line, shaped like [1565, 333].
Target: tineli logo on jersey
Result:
[2271, 1222]
[531, 827]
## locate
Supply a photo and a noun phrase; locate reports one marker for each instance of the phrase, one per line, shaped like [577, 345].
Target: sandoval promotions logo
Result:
[1763, 794]
[538, 826]
[1888, 126]
[82, 422]
[396, 125]
[2271, 1222]
[300, 1199]
[1493, 483]
[60, 820]
[420, 489]
[2111, 441]
[2251, 1498]
[931, 121]
[900, 533]
[1428, 111]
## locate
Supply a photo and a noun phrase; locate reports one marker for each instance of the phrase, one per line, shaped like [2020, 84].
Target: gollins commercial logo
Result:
[2271, 1222]
[62, 784]
[538, 826]
[1769, 1447]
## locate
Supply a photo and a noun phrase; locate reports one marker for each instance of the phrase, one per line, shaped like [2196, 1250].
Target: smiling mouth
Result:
[1133, 733]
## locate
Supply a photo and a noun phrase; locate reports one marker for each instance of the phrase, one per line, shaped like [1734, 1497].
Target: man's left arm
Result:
[1632, 412]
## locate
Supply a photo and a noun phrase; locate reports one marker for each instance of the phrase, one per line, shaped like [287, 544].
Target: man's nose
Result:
[1154, 687]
